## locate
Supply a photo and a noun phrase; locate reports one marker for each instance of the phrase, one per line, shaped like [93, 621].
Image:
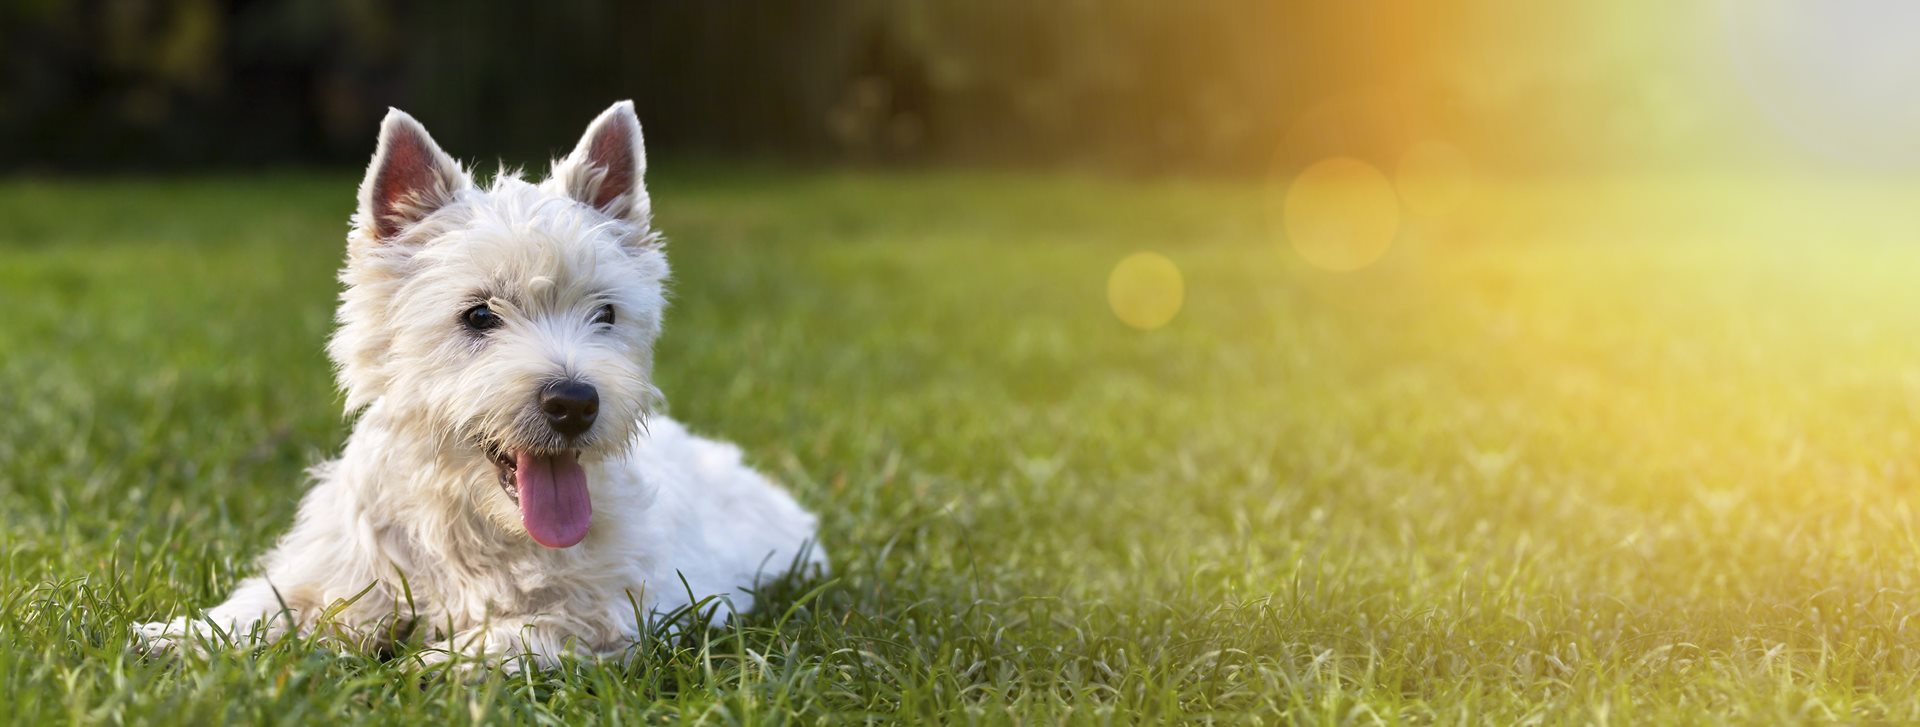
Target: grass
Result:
[1583, 452]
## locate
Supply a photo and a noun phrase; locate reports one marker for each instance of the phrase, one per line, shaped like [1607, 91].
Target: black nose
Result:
[570, 407]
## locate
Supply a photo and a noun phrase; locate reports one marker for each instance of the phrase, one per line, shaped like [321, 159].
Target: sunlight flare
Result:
[1341, 214]
[1145, 290]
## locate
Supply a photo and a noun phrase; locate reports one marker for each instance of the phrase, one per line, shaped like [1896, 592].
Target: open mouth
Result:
[550, 489]
[509, 473]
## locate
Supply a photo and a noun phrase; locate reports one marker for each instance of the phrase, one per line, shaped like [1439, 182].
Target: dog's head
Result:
[511, 326]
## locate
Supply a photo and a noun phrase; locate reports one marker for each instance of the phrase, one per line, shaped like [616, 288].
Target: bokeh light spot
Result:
[1341, 214]
[1145, 290]
[1434, 177]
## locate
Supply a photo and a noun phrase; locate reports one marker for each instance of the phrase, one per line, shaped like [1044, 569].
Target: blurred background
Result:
[1562, 351]
[1127, 86]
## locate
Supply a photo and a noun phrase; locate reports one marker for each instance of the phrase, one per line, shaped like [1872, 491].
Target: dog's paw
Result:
[163, 638]
[184, 636]
[441, 661]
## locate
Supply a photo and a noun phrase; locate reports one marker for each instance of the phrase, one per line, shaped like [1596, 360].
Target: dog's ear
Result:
[410, 178]
[607, 169]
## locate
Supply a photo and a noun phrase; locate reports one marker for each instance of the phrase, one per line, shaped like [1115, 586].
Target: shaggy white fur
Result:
[464, 309]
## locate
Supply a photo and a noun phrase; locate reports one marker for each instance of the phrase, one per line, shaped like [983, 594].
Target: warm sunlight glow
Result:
[1341, 214]
[1434, 177]
[1145, 290]
[1841, 77]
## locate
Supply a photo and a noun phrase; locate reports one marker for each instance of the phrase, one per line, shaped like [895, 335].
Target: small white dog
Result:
[507, 485]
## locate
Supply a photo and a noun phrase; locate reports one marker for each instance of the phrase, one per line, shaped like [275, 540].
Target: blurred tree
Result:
[93, 84]
[1146, 85]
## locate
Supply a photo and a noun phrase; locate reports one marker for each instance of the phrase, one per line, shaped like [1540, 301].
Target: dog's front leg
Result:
[320, 576]
[253, 614]
[258, 613]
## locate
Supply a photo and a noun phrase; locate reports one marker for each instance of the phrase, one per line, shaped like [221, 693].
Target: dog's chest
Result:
[497, 584]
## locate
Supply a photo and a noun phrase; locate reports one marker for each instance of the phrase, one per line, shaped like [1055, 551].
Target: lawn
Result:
[1581, 451]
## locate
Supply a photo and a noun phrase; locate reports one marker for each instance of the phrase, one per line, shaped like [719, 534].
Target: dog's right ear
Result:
[410, 178]
[607, 170]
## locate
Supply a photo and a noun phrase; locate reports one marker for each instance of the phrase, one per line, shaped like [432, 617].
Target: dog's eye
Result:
[604, 315]
[481, 318]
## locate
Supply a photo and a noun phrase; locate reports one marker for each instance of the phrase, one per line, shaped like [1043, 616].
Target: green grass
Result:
[1583, 455]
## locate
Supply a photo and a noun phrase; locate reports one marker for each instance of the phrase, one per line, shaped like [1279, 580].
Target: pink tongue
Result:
[553, 498]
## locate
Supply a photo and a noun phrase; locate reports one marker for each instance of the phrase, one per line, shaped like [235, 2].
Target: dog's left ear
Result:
[607, 170]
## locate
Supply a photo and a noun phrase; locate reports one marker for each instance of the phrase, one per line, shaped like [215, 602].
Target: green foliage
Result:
[1652, 480]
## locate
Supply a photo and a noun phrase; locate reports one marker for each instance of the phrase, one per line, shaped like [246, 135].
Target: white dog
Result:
[507, 486]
